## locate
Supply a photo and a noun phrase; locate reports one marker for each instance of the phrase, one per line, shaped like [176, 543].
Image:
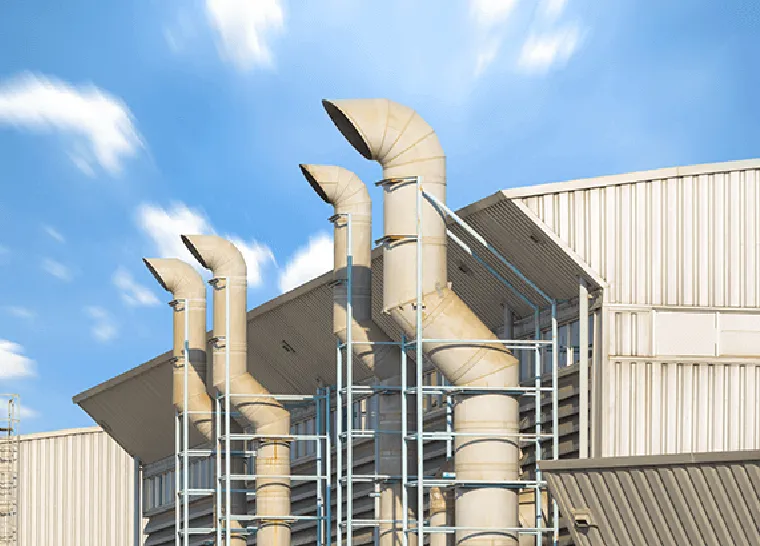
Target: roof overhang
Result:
[693, 498]
[291, 344]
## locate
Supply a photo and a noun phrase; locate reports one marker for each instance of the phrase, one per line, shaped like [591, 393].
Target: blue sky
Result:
[123, 124]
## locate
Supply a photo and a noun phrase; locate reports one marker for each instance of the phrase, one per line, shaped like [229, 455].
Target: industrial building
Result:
[72, 487]
[591, 319]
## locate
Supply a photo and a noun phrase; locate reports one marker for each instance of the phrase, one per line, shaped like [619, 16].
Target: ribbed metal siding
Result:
[76, 489]
[697, 499]
[690, 240]
[658, 407]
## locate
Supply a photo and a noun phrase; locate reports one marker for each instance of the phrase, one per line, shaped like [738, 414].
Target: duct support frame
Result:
[221, 453]
[416, 481]
[9, 468]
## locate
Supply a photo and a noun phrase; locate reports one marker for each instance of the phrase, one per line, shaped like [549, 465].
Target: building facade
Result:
[76, 488]
[671, 359]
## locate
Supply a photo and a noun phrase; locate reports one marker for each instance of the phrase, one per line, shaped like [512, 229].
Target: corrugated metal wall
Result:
[691, 240]
[76, 489]
[672, 382]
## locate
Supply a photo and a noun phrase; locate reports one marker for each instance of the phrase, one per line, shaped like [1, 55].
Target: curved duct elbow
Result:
[189, 292]
[348, 195]
[406, 146]
[265, 414]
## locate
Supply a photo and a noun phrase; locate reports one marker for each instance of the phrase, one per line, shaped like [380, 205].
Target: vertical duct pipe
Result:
[189, 292]
[405, 145]
[264, 414]
[348, 195]
[442, 508]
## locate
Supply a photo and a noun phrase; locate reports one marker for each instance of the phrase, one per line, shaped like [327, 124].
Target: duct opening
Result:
[193, 250]
[313, 183]
[155, 274]
[347, 128]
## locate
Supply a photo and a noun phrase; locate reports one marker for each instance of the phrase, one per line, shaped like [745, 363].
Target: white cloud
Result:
[56, 269]
[488, 13]
[486, 56]
[256, 257]
[540, 52]
[103, 327]
[551, 9]
[26, 412]
[13, 364]
[164, 227]
[244, 28]
[132, 292]
[54, 233]
[20, 312]
[44, 104]
[308, 262]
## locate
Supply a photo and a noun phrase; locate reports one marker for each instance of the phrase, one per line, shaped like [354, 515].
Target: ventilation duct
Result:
[189, 292]
[405, 145]
[348, 195]
[442, 508]
[264, 414]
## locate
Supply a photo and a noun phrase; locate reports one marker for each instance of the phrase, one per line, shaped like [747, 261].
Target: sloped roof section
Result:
[291, 347]
[696, 498]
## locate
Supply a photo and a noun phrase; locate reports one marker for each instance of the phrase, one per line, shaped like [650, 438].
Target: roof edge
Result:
[59, 433]
[628, 178]
[649, 460]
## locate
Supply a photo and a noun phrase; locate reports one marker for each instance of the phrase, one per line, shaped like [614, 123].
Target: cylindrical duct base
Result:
[273, 494]
[490, 459]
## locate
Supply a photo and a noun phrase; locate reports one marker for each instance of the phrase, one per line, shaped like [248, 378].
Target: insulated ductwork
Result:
[348, 195]
[264, 414]
[406, 146]
[189, 291]
[442, 508]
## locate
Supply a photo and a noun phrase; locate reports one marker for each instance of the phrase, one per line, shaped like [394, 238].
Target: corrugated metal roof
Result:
[291, 345]
[697, 498]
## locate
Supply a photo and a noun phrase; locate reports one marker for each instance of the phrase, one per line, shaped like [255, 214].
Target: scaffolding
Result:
[9, 463]
[225, 481]
[415, 440]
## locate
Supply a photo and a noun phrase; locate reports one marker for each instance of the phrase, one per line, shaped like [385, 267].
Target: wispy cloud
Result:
[488, 17]
[308, 262]
[20, 312]
[57, 269]
[244, 29]
[13, 363]
[25, 412]
[541, 52]
[551, 9]
[103, 326]
[45, 104]
[488, 13]
[164, 226]
[54, 233]
[132, 292]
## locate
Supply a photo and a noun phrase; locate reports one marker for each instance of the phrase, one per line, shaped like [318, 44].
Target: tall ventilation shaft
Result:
[406, 146]
[189, 292]
[348, 195]
[264, 414]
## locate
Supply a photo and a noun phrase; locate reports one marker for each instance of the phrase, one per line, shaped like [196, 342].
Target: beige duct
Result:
[442, 508]
[189, 291]
[405, 145]
[264, 414]
[348, 194]
[186, 284]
